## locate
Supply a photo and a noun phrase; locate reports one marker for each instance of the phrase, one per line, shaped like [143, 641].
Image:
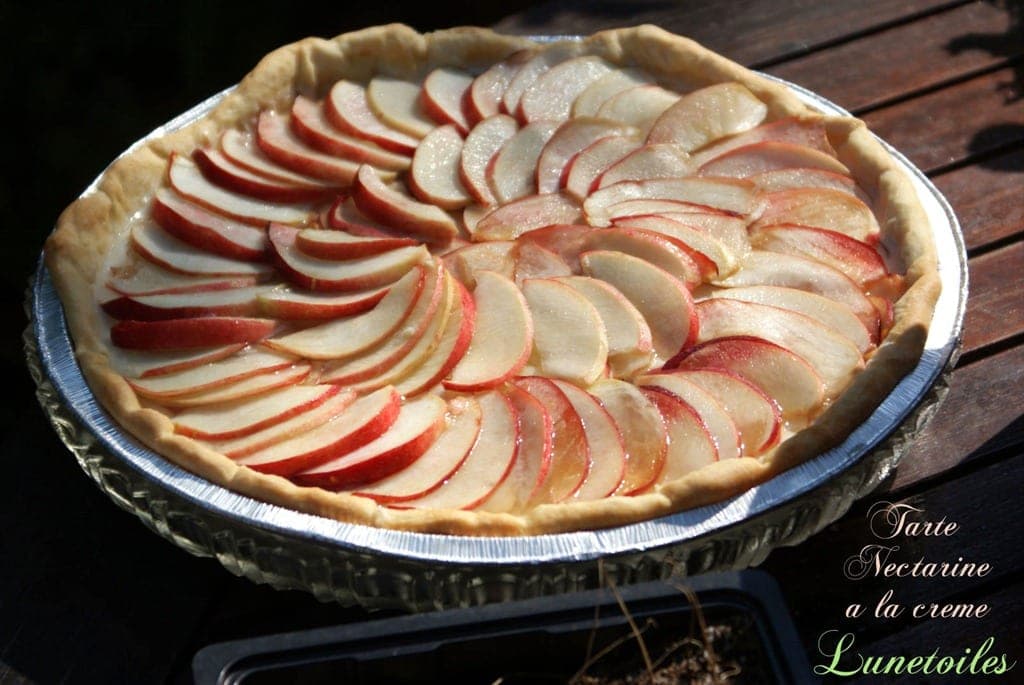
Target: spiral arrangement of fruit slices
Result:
[552, 281]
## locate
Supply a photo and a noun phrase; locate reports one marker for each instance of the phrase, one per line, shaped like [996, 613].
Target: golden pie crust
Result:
[76, 255]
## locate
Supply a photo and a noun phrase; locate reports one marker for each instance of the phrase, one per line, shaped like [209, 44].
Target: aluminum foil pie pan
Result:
[355, 564]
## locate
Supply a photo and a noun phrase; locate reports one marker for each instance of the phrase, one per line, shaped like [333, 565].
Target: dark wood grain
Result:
[994, 311]
[985, 504]
[883, 66]
[987, 198]
[980, 416]
[748, 31]
[1007, 610]
[955, 124]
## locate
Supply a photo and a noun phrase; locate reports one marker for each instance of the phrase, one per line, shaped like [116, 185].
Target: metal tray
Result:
[355, 564]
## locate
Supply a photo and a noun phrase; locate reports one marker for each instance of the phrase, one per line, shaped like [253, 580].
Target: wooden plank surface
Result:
[987, 197]
[1007, 610]
[907, 58]
[977, 419]
[994, 311]
[749, 31]
[951, 125]
[984, 503]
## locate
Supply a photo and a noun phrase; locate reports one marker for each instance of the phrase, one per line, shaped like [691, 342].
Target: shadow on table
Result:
[1008, 45]
[602, 12]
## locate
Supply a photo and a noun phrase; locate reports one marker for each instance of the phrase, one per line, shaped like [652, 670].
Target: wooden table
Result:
[88, 595]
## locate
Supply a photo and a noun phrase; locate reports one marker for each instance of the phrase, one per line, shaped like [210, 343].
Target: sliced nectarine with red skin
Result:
[396, 210]
[309, 121]
[340, 245]
[488, 463]
[182, 334]
[253, 415]
[411, 434]
[228, 302]
[785, 377]
[533, 461]
[206, 230]
[437, 464]
[690, 445]
[708, 114]
[502, 340]
[570, 454]
[347, 108]
[220, 170]
[360, 423]
[444, 92]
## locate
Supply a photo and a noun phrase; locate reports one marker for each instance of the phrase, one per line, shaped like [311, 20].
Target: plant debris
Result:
[693, 659]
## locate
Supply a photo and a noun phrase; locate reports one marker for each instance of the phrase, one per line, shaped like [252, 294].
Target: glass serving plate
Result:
[376, 568]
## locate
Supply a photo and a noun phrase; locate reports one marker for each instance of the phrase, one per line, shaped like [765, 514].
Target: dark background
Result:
[80, 83]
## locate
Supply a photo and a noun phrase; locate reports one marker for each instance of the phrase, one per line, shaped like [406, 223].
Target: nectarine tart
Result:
[466, 283]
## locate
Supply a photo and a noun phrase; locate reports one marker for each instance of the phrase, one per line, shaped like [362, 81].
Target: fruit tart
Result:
[466, 283]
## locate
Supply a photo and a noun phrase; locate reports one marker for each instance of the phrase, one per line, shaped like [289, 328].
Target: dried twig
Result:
[597, 613]
[611, 647]
[632, 626]
[714, 664]
[718, 671]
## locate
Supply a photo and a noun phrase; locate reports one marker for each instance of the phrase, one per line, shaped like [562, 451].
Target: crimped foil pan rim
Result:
[56, 355]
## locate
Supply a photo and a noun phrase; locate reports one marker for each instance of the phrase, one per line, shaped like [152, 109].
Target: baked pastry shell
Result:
[76, 253]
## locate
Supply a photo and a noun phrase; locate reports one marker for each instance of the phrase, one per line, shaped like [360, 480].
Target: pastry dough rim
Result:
[75, 255]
